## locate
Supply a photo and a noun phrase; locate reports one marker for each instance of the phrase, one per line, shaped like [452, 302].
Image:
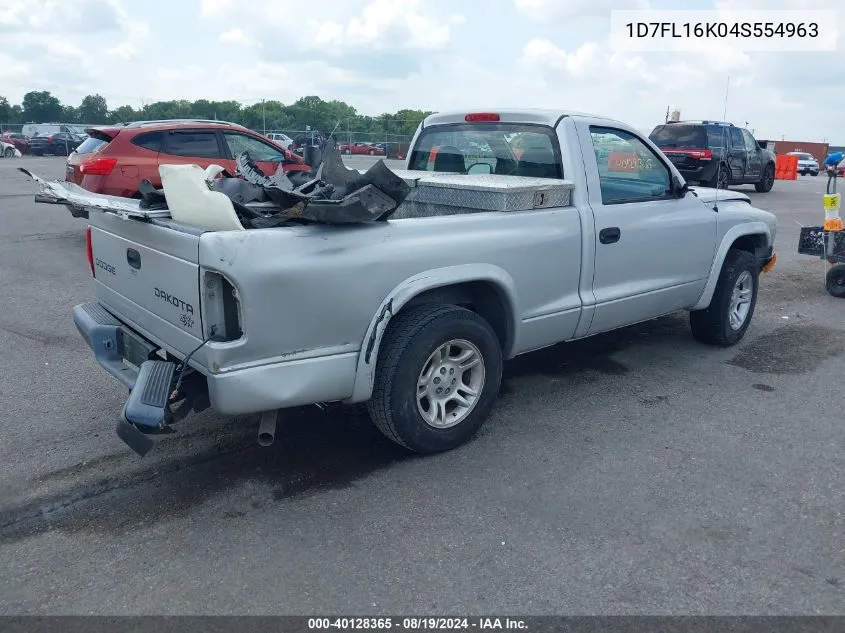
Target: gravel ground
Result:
[636, 472]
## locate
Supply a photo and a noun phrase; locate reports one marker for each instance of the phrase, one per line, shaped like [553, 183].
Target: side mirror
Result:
[679, 189]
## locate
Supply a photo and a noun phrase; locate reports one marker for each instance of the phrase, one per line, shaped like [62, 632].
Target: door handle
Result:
[610, 235]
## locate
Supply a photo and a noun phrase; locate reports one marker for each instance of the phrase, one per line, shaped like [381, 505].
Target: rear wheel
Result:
[437, 378]
[835, 281]
[724, 322]
[768, 180]
[721, 179]
[372, 152]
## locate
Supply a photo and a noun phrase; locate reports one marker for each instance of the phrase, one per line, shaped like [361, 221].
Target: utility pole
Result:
[263, 118]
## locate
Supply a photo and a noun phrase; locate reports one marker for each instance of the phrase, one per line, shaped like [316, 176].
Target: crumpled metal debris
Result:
[334, 195]
[331, 194]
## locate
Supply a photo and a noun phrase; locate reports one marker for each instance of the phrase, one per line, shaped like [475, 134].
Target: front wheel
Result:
[835, 281]
[724, 322]
[768, 180]
[437, 378]
[8, 152]
[372, 152]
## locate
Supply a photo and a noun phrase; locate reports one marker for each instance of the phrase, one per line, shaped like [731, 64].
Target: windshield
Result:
[495, 148]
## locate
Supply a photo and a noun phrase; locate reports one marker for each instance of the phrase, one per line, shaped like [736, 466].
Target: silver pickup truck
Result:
[523, 228]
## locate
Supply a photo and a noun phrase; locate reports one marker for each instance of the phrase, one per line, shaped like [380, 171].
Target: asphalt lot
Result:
[637, 472]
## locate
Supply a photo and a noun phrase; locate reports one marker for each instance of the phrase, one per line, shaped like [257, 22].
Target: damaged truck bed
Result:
[214, 200]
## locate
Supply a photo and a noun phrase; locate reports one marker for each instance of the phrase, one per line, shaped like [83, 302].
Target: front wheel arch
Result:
[749, 236]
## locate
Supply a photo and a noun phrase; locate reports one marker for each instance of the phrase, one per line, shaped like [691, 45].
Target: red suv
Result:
[114, 160]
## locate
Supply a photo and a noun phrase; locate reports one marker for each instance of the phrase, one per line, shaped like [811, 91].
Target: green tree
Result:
[5, 111]
[93, 109]
[70, 115]
[41, 107]
[123, 114]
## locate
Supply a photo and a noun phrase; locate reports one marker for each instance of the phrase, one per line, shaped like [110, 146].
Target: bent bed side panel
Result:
[314, 290]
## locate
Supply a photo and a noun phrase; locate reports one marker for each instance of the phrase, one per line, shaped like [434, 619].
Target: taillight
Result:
[482, 117]
[89, 249]
[98, 166]
[703, 154]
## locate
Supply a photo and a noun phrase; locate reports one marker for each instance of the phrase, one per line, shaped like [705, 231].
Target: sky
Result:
[384, 55]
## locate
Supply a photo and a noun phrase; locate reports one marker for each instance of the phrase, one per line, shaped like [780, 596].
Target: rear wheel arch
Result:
[482, 297]
[485, 290]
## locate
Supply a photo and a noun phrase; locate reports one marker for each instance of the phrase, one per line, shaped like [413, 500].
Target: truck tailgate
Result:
[148, 275]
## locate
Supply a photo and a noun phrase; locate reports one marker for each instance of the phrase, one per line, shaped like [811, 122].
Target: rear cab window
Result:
[507, 149]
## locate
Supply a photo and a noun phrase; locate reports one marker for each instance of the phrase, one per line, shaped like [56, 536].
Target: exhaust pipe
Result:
[267, 428]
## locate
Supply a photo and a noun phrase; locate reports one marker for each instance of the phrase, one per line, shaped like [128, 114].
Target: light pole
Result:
[263, 118]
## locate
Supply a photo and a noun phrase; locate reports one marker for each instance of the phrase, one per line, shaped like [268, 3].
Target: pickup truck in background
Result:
[590, 228]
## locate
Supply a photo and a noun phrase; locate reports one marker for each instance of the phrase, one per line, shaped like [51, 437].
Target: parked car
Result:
[46, 129]
[20, 141]
[415, 316]
[362, 148]
[280, 139]
[807, 164]
[716, 153]
[7, 150]
[114, 160]
[60, 144]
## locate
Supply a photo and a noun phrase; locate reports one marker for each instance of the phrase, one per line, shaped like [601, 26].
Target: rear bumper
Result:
[242, 391]
[766, 258]
[704, 173]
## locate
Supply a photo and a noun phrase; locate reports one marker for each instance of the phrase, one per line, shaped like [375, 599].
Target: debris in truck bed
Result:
[333, 194]
[75, 197]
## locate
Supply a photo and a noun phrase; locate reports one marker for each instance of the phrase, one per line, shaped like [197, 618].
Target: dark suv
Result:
[716, 154]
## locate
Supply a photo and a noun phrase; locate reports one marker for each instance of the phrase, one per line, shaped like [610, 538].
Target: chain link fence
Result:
[395, 145]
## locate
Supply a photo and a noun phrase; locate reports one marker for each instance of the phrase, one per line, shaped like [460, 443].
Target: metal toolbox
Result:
[449, 194]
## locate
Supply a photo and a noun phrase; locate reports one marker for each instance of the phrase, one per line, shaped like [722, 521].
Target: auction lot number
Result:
[411, 624]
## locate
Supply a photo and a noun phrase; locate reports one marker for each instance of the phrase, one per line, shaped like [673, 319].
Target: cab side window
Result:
[629, 170]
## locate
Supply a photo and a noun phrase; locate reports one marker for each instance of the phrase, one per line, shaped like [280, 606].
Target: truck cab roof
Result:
[536, 116]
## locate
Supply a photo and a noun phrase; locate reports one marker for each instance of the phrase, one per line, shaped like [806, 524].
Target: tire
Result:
[8, 153]
[721, 179]
[713, 325]
[767, 181]
[835, 281]
[409, 344]
[372, 153]
[815, 173]
[347, 151]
